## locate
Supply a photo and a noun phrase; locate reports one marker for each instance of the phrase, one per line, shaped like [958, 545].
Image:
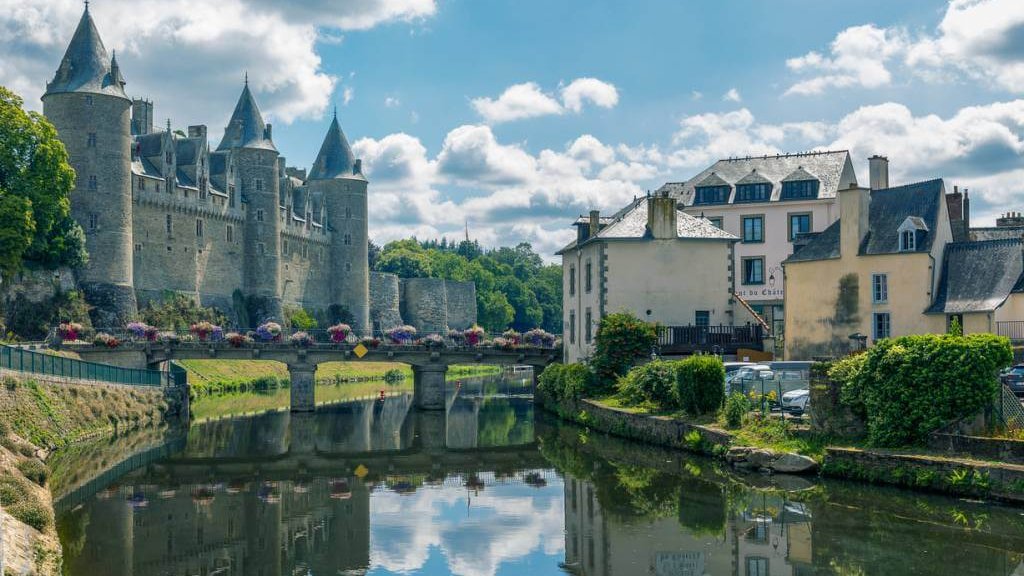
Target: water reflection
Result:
[491, 488]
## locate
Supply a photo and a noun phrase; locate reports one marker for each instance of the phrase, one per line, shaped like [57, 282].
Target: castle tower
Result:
[247, 139]
[87, 104]
[337, 177]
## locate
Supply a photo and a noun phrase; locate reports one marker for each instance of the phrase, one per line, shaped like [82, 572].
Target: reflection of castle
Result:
[769, 538]
[250, 529]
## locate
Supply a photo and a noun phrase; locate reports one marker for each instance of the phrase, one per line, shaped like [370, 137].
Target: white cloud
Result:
[601, 94]
[347, 95]
[190, 55]
[978, 39]
[733, 95]
[392, 102]
[696, 95]
[517, 102]
[528, 100]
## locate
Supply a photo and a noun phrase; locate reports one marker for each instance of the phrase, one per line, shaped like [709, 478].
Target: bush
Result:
[179, 312]
[301, 320]
[19, 500]
[700, 384]
[912, 385]
[566, 381]
[736, 406]
[652, 383]
[622, 338]
[35, 470]
[844, 372]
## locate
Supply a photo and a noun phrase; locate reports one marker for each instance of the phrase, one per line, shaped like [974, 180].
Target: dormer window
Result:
[712, 190]
[760, 192]
[909, 232]
[799, 185]
[712, 195]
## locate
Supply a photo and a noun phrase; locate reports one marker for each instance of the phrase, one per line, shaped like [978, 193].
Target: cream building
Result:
[651, 259]
[766, 201]
[890, 267]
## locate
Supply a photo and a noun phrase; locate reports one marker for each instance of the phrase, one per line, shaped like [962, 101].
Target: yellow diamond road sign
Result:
[360, 351]
[361, 471]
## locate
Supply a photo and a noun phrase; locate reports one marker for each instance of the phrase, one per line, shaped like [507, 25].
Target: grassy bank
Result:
[37, 417]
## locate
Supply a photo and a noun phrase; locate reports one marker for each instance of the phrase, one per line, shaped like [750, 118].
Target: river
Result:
[492, 487]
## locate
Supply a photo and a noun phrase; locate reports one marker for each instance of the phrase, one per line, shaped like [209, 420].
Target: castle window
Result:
[284, 246]
[88, 100]
[261, 248]
[199, 228]
[320, 255]
[348, 266]
[230, 234]
[202, 188]
[259, 215]
[305, 251]
[348, 212]
[138, 247]
[93, 184]
[169, 185]
[91, 140]
[231, 196]
[169, 225]
[94, 221]
[170, 157]
[142, 183]
[348, 239]
[259, 184]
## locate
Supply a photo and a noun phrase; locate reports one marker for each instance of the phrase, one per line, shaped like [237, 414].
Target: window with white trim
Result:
[879, 288]
[908, 241]
[882, 326]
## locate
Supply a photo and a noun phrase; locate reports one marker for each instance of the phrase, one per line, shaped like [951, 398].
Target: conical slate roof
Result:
[335, 159]
[246, 128]
[86, 66]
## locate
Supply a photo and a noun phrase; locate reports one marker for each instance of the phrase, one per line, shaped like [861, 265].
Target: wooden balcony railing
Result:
[716, 339]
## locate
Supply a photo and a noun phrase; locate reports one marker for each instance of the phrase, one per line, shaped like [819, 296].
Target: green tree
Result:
[34, 167]
[16, 231]
[622, 339]
[528, 313]
[493, 311]
[405, 263]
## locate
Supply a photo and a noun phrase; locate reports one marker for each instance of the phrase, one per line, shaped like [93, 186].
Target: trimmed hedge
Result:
[911, 386]
[562, 381]
[654, 383]
[700, 384]
[621, 340]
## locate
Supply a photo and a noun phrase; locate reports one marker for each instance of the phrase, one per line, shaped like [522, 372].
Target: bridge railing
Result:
[29, 362]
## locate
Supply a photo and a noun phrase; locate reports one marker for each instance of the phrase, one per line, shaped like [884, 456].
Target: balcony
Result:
[1013, 330]
[682, 340]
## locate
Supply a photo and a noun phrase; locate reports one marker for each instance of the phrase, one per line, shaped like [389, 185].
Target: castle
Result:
[233, 227]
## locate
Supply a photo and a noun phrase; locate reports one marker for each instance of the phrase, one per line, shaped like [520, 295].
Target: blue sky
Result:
[518, 115]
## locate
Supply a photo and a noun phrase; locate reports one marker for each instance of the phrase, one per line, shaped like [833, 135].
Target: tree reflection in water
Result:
[491, 487]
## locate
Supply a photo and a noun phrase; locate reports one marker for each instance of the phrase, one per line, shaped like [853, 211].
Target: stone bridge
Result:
[429, 364]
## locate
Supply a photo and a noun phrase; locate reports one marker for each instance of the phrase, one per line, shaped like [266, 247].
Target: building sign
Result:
[679, 564]
[771, 290]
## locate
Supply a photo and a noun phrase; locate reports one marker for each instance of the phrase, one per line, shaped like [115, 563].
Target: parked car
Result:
[796, 401]
[1013, 378]
[731, 367]
[747, 375]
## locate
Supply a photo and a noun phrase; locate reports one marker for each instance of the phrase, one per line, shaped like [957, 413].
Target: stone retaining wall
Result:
[658, 430]
[1002, 450]
[1003, 482]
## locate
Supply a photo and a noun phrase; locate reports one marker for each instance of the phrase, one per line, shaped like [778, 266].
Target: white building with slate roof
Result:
[653, 260]
[766, 201]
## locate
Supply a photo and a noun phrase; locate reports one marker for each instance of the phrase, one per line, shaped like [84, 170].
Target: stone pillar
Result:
[428, 386]
[303, 386]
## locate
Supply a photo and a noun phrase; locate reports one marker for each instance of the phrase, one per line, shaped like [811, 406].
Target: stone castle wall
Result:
[436, 305]
[461, 304]
[385, 301]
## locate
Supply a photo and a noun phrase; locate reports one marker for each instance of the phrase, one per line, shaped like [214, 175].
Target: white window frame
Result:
[908, 241]
[879, 288]
[875, 332]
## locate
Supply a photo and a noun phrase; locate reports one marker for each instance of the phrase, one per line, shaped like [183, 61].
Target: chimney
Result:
[198, 131]
[967, 211]
[595, 223]
[955, 205]
[854, 203]
[662, 217]
[878, 169]
[142, 117]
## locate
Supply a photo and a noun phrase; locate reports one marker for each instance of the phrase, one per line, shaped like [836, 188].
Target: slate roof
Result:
[996, 233]
[753, 178]
[335, 159]
[888, 209]
[823, 245]
[218, 164]
[86, 67]
[978, 276]
[799, 175]
[712, 179]
[630, 223]
[187, 150]
[143, 167]
[891, 206]
[150, 144]
[833, 170]
[246, 128]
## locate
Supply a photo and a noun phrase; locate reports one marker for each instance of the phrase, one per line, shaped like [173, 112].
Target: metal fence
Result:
[21, 360]
[1013, 330]
[727, 339]
[1008, 409]
[767, 392]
